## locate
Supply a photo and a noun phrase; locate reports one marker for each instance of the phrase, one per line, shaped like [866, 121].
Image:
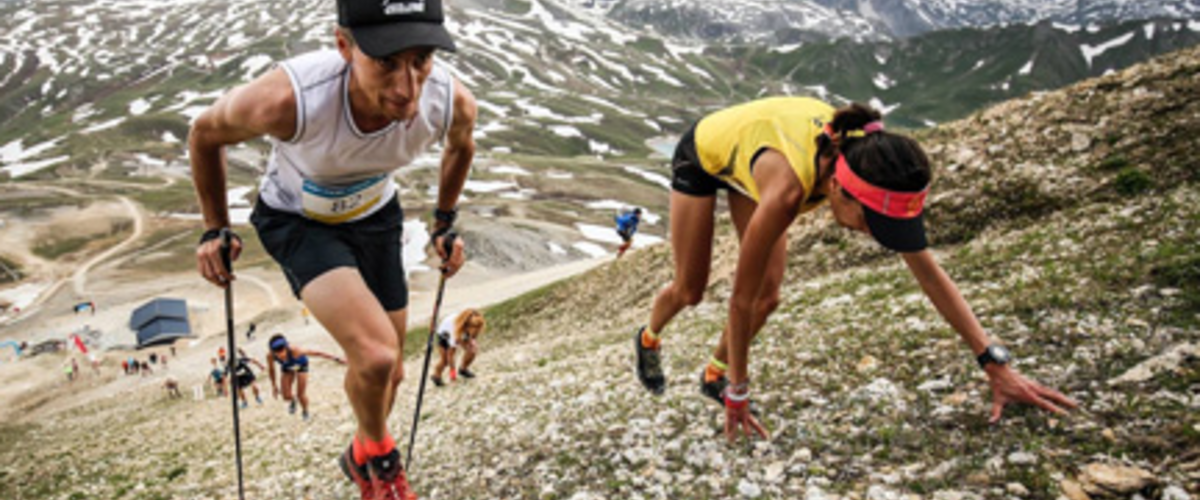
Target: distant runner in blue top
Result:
[293, 362]
[627, 224]
[218, 376]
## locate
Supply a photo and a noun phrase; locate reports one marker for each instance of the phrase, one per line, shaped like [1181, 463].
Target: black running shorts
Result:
[297, 368]
[306, 249]
[244, 381]
[687, 175]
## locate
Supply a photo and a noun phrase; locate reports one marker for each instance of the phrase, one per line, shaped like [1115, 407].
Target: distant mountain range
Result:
[83, 82]
[792, 21]
[941, 76]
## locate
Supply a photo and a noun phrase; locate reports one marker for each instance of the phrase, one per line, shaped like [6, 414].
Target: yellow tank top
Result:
[727, 140]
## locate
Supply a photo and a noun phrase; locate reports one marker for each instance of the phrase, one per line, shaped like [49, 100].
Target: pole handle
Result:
[226, 246]
[448, 240]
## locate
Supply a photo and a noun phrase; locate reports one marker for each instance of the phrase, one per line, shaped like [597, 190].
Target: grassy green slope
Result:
[1083, 287]
[1068, 219]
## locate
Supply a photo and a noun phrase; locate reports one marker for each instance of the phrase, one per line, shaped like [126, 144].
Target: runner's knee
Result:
[689, 294]
[377, 365]
[768, 303]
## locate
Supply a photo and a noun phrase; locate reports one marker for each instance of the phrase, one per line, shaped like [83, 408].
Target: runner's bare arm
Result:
[779, 204]
[271, 372]
[1008, 385]
[946, 297]
[265, 106]
[460, 148]
[321, 354]
[456, 165]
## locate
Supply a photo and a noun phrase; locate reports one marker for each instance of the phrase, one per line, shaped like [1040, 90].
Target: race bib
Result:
[335, 205]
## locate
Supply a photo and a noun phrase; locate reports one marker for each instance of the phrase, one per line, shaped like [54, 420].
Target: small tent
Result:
[160, 321]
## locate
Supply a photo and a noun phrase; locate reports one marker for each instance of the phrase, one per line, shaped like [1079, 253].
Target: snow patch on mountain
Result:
[139, 107]
[1069, 28]
[22, 169]
[777, 20]
[1090, 52]
[650, 176]
[882, 107]
[105, 125]
[254, 64]
[883, 82]
[1027, 68]
[565, 131]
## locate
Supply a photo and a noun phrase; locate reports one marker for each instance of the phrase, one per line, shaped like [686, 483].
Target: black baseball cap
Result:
[895, 218]
[384, 27]
[897, 235]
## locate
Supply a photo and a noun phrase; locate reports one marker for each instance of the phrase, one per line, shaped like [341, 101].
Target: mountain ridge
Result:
[777, 21]
[598, 88]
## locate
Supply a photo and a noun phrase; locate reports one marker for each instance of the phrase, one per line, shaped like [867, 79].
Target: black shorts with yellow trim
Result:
[306, 249]
[687, 174]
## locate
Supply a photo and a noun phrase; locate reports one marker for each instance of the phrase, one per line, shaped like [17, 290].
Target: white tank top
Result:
[332, 172]
[446, 330]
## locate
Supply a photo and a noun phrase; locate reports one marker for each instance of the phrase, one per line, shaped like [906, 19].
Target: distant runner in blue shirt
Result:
[293, 362]
[218, 377]
[627, 224]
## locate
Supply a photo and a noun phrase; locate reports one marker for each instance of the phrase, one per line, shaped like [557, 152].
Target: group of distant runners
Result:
[292, 382]
[130, 366]
[342, 121]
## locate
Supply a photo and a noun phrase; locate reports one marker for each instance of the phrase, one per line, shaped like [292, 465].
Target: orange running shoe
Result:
[388, 478]
[356, 473]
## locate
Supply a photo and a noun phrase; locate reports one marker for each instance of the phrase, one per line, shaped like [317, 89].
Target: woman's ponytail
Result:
[883, 158]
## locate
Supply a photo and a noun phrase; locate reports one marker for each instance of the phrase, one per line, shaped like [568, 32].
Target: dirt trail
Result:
[266, 288]
[459, 296]
[19, 245]
[79, 279]
[38, 392]
[42, 394]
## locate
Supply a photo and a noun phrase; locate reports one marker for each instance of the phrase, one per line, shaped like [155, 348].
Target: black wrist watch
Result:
[215, 233]
[994, 354]
[446, 217]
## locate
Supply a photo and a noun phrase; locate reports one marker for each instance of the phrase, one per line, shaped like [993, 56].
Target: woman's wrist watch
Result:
[994, 354]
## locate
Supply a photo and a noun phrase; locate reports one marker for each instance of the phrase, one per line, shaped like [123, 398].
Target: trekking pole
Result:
[448, 246]
[226, 236]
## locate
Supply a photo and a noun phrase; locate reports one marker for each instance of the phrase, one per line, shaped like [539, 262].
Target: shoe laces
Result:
[653, 362]
[396, 488]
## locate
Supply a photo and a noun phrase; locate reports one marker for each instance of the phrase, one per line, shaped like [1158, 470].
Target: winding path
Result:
[266, 287]
[79, 278]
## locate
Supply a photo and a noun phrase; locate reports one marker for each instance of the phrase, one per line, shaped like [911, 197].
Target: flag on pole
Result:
[79, 344]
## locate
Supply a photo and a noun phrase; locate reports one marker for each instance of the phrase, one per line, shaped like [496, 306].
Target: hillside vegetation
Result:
[1070, 220]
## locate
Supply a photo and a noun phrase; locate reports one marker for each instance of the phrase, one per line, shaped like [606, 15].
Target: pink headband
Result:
[893, 204]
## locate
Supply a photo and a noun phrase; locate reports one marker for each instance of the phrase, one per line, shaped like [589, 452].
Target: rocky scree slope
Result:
[1069, 219]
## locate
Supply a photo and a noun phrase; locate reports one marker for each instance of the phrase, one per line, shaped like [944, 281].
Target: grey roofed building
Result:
[160, 321]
